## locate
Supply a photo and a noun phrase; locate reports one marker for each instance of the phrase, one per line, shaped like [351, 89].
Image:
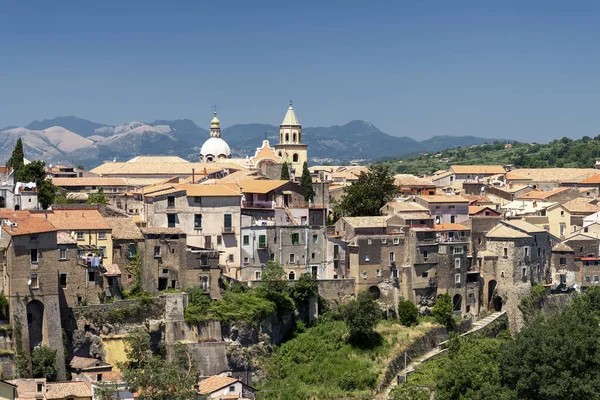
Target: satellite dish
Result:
[72, 233]
[482, 189]
[29, 282]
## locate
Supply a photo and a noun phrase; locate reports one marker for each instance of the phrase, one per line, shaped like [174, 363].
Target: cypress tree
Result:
[285, 171]
[306, 183]
[16, 160]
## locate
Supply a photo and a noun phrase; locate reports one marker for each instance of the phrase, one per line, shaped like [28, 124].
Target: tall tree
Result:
[361, 316]
[36, 172]
[306, 183]
[17, 158]
[154, 378]
[97, 198]
[285, 171]
[366, 196]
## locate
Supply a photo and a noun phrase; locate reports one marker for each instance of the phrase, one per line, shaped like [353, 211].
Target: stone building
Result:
[31, 281]
[446, 209]
[163, 258]
[564, 272]
[202, 270]
[127, 242]
[208, 214]
[523, 251]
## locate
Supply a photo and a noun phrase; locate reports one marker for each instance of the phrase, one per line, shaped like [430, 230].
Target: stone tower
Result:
[290, 147]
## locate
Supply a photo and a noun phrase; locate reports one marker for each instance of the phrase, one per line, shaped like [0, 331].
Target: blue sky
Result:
[415, 68]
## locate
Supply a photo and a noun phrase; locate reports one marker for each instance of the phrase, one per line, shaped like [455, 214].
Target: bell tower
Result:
[290, 147]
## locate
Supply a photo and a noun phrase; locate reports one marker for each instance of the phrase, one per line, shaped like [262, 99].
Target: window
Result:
[62, 254]
[456, 278]
[171, 220]
[378, 272]
[40, 387]
[562, 213]
[156, 251]
[101, 235]
[227, 227]
[33, 238]
[367, 258]
[246, 260]
[312, 256]
[295, 238]
[246, 240]
[588, 279]
[272, 256]
[383, 241]
[425, 255]
[292, 258]
[34, 256]
[369, 241]
[34, 281]
[257, 275]
[197, 221]
[458, 250]
[335, 276]
[171, 201]
[505, 252]
[262, 241]
[230, 258]
[396, 240]
[204, 282]
[563, 261]
[219, 240]
[198, 200]
[457, 263]
[336, 251]
[563, 228]
[363, 274]
[292, 276]
[131, 251]
[315, 239]
[526, 251]
[524, 272]
[62, 278]
[80, 235]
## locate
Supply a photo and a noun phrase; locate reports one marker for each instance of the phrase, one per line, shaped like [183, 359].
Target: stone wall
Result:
[336, 291]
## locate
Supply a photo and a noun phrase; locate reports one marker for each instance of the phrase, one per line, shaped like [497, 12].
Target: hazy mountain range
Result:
[79, 141]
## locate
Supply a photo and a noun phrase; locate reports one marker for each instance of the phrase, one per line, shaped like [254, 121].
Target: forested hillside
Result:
[565, 152]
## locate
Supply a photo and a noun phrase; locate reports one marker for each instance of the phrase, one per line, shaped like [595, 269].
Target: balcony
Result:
[258, 204]
[447, 239]
[429, 259]
[228, 230]
[426, 241]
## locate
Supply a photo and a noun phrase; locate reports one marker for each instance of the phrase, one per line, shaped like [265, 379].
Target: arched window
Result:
[292, 276]
[287, 137]
[295, 137]
[279, 154]
[295, 157]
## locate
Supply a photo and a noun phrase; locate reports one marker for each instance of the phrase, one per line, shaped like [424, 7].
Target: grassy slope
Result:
[320, 364]
[565, 152]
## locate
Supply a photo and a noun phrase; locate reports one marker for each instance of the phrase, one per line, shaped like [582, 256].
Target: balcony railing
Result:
[228, 230]
[258, 204]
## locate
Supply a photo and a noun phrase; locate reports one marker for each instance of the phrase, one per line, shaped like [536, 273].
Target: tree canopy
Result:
[35, 171]
[17, 158]
[366, 196]
[361, 315]
[285, 172]
[97, 198]
[306, 183]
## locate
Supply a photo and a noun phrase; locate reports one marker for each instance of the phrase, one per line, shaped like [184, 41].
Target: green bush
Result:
[408, 314]
[43, 360]
[442, 311]
[361, 316]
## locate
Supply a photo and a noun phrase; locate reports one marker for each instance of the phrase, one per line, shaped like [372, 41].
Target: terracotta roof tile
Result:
[367, 222]
[216, 190]
[25, 223]
[215, 382]
[261, 186]
[444, 199]
[557, 175]
[402, 206]
[542, 194]
[124, 228]
[160, 231]
[450, 227]
[112, 270]
[478, 169]
[91, 181]
[77, 220]
[581, 205]
[61, 390]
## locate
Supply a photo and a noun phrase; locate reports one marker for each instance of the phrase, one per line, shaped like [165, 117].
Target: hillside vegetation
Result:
[322, 364]
[562, 153]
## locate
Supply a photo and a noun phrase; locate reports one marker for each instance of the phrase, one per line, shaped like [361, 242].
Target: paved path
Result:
[441, 348]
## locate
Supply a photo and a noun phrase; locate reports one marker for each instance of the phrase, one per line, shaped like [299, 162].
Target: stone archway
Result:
[457, 302]
[494, 301]
[35, 322]
[375, 292]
